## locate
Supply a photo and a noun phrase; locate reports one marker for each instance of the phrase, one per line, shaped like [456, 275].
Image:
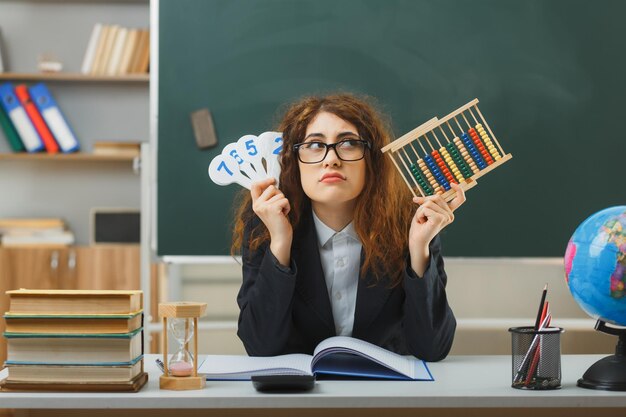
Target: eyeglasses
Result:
[346, 150]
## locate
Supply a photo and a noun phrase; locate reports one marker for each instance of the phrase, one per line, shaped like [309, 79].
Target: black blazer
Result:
[287, 310]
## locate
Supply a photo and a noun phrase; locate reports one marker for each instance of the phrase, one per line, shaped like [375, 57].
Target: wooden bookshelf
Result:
[79, 156]
[73, 77]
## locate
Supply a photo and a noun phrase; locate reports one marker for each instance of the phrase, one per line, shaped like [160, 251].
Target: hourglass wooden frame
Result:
[188, 311]
[429, 160]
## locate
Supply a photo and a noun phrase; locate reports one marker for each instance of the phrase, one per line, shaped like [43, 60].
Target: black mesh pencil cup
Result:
[536, 358]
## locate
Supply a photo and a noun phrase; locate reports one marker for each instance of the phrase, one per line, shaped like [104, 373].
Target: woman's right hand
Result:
[272, 207]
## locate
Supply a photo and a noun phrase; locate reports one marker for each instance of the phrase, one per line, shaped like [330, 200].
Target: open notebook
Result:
[339, 355]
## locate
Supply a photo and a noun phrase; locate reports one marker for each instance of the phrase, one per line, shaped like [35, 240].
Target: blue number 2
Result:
[278, 140]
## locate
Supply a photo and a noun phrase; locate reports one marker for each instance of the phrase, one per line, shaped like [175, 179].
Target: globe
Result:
[595, 265]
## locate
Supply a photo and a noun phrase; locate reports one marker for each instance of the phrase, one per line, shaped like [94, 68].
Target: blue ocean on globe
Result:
[595, 265]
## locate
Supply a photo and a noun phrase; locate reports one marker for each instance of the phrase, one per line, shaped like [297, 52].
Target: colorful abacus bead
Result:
[466, 156]
[458, 159]
[429, 177]
[451, 163]
[490, 147]
[442, 166]
[432, 165]
[473, 151]
[421, 180]
[480, 146]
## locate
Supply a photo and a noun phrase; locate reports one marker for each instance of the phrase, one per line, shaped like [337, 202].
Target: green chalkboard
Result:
[550, 76]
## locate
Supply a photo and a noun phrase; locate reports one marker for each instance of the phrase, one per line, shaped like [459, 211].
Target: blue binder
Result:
[22, 123]
[54, 118]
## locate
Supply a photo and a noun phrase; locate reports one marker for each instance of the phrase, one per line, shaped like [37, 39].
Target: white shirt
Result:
[340, 253]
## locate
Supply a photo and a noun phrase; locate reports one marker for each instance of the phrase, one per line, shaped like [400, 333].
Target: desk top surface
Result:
[460, 381]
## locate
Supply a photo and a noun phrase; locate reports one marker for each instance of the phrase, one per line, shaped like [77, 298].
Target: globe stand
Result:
[608, 373]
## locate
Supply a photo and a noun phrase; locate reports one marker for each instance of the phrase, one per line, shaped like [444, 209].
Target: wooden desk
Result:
[464, 385]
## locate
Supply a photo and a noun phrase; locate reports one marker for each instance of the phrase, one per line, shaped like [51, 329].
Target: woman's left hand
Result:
[432, 215]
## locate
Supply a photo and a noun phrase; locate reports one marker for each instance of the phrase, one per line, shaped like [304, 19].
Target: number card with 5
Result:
[252, 158]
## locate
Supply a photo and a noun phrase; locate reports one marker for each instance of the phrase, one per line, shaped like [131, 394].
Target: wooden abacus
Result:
[429, 161]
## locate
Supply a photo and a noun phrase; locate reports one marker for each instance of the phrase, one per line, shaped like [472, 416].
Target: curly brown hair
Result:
[383, 210]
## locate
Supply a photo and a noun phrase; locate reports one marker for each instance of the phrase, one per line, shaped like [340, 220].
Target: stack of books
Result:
[48, 232]
[115, 50]
[74, 340]
[32, 120]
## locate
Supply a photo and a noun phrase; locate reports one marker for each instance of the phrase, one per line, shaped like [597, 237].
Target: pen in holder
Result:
[536, 358]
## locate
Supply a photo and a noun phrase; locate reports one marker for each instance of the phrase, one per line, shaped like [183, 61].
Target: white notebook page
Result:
[407, 365]
[239, 366]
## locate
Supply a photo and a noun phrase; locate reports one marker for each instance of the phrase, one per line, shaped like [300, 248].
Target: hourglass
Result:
[180, 370]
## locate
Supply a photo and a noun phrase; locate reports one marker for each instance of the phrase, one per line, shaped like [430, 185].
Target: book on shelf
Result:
[47, 238]
[73, 323]
[17, 114]
[53, 116]
[116, 53]
[107, 50]
[116, 50]
[9, 132]
[338, 356]
[34, 232]
[143, 62]
[100, 43]
[129, 49]
[30, 224]
[117, 148]
[92, 45]
[103, 349]
[50, 144]
[73, 374]
[141, 56]
[24, 301]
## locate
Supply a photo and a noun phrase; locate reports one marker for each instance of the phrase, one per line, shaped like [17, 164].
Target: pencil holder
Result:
[536, 358]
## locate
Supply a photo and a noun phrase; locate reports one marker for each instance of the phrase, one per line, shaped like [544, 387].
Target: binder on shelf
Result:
[21, 91]
[51, 113]
[9, 131]
[90, 53]
[29, 136]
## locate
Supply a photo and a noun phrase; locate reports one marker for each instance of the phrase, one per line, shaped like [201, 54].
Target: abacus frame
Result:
[397, 150]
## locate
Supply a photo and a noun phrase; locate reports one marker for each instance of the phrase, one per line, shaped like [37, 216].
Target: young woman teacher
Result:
[340, 248]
